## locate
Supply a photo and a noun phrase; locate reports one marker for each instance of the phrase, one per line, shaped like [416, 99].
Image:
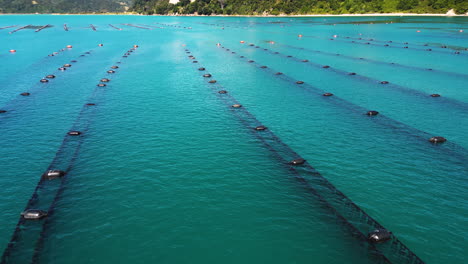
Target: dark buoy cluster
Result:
[278, 73]
[260, 128]
[33, 214]
[74, 133]
[300, 82]
[263, 67]
[297, 161]
[372, 113]
[90, 104]
[379, 235]
[436, 140]
[207, 75]
[352, 73]
[236, 106]
[435, 95]
[305, 60]
[53, 174]
[250, 61]
[327, 94]
[223, 92]
[25, 94]
[325, 66]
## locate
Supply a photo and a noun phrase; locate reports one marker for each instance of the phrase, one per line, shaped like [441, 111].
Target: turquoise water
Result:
[166, 172]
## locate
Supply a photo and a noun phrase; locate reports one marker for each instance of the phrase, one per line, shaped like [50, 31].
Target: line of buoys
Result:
[283, 152]
[384, 120]
[47, 193]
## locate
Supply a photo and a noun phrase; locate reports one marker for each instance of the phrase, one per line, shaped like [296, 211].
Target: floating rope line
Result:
[8, 27]
[112, 26]
[131, 25]
[388, 42]
[351, 215]
[43, 27]
[13, 104]
[449, 102]
[402, 128]
[29, 233]
[21, 28]
[393, 64]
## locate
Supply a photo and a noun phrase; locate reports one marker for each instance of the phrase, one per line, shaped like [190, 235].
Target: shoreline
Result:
[269, 16]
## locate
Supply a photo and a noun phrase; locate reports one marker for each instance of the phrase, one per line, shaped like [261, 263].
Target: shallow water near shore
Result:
[166, 172]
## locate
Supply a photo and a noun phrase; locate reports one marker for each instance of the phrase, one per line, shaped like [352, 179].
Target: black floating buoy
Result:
[195, 61]
[25, 94]
[207, 75]
[251, 45]
[305, 60]
[289, 56]
[251, 61]
[223, 92]
[325, 66]
[33, 214]
[201, 69]
[212, 81]
[379, 235]
[275, 52]
[67, 65]
[74, 133]
[444, 47]
[278, 73]
[115, 67]
[435, 95]
[327, 94]
[190, 56]
[372, 113]
[90, 104]
[73, 61]
[384, 82]
[300, 82]
[2, 111]
[62, 69]
[263, 67]
[44, 80]
[437, 140]
[261, 128]
[352, 73]
[50, 76]
[241, 57]
[125, 56]
[386, 45]
[105, 80]
[429, 50]
[406, 43]
[101, 85]
[297, 161]
[236, 106]
[457, 52]
[52, 174]
[405, 47]
[110, 71]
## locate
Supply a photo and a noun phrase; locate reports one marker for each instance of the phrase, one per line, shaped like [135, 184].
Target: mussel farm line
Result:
[31, 228]
[14, 103]
[399, 127]
[449, 102]
[351, 215]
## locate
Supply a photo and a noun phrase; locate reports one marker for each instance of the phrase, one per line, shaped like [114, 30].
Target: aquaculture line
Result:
[28, 237]
[375, 116]
[14, 103]
[381, 244]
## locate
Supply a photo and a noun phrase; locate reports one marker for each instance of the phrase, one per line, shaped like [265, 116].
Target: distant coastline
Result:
[194, 15]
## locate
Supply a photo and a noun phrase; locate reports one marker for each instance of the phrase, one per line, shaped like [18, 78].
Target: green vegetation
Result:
[297, 7]
[64, 6]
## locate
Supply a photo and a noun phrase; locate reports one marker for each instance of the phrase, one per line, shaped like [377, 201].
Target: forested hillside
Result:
[64, 6]
[297, 7]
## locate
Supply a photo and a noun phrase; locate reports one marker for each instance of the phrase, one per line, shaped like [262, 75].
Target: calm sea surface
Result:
[165, 172]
